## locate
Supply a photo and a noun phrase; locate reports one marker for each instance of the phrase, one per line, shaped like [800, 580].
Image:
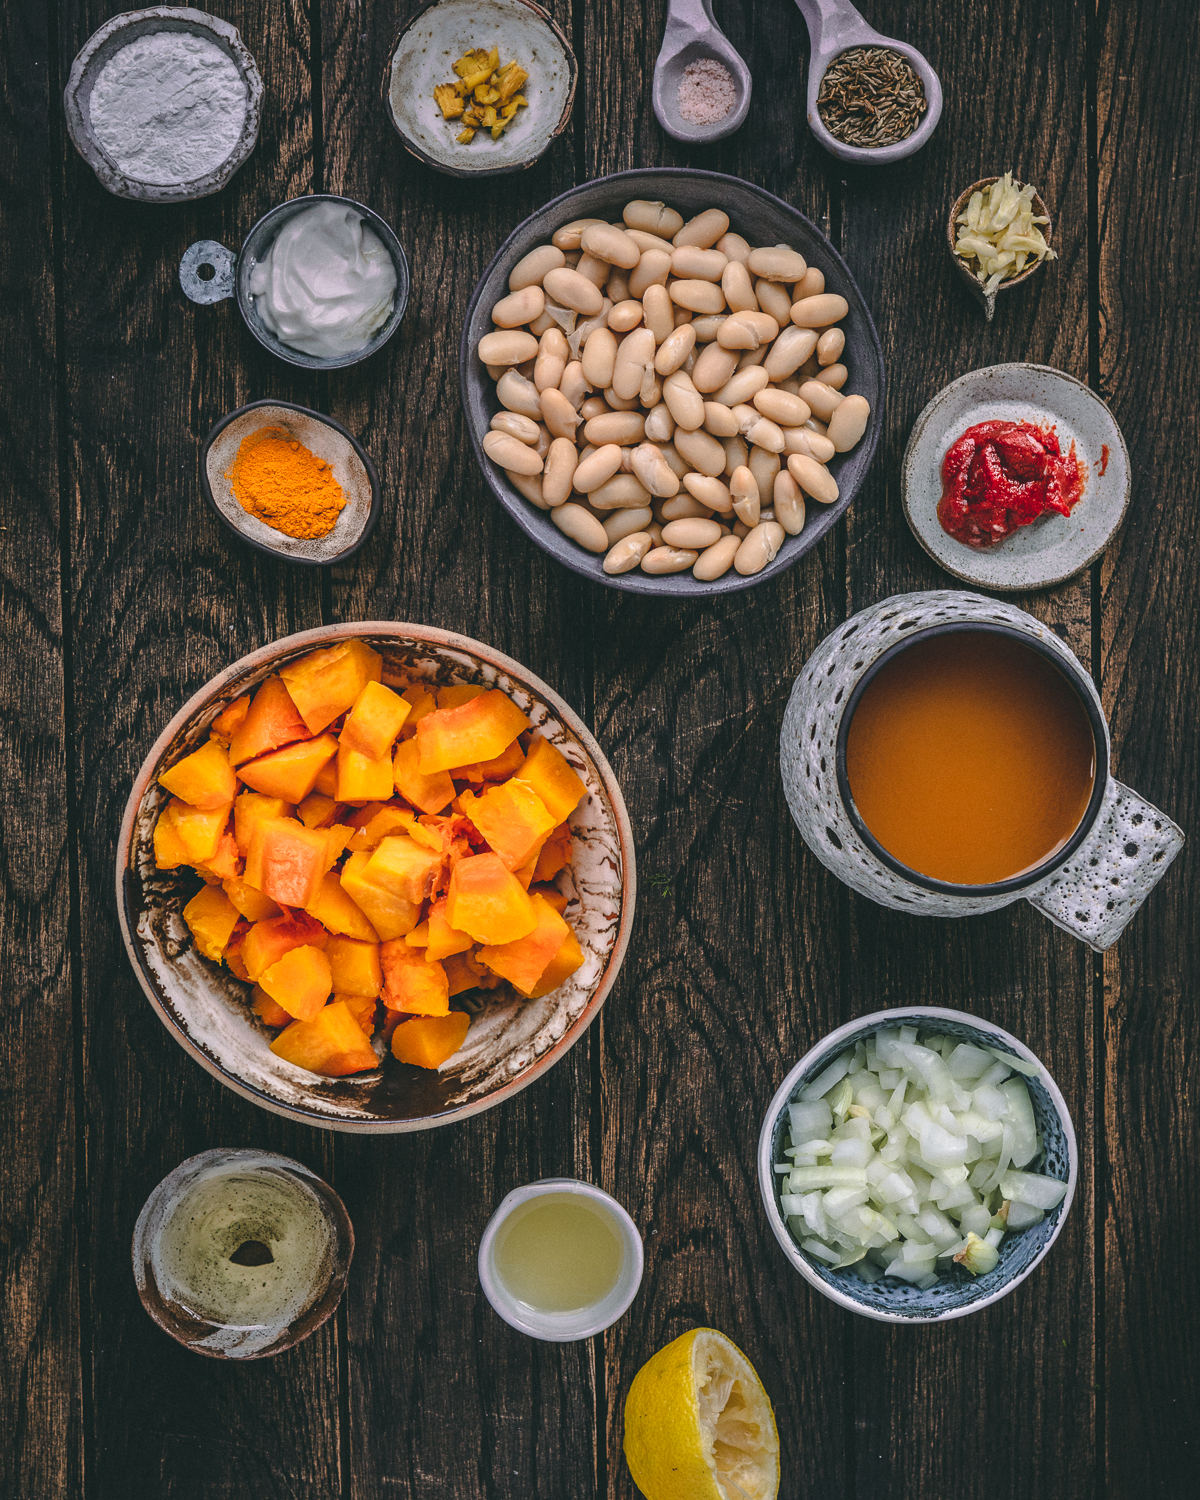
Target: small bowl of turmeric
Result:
[291, 483]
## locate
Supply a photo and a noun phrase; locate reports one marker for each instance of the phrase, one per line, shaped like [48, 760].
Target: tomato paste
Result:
[1001, 476]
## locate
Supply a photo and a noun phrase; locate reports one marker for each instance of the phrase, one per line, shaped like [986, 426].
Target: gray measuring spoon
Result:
[833, 26]
[691, 34]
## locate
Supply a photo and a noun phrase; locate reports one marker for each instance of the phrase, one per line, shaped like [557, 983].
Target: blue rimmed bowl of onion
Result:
[917, 1164]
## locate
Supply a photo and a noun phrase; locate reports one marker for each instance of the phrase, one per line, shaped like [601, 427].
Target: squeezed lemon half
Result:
[699, 1426]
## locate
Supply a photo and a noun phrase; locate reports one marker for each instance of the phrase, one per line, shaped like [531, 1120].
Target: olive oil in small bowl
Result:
[560, 1260]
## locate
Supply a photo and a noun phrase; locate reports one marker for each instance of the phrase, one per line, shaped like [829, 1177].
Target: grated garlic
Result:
[1001, 232]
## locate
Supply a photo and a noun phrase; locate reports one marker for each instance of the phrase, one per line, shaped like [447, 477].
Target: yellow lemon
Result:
[699, 1426]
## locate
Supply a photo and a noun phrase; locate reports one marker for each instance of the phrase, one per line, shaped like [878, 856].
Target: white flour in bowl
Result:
[169, 107]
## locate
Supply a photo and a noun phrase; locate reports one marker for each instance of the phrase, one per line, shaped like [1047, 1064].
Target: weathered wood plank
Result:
[429, 1360]
[1149, 360]
[41, 1417]
[162, 599]
[735, 963]
[925, 1398]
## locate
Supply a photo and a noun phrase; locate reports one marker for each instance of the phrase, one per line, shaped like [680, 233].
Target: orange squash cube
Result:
[485, 899]
[251, 903]
[324, 684]
[478, 730]
[230, 719]
[337, 913]
[548, 893]
[287, 861]
[337, 836]
[268, 940]
[355, 966]
[564, 963]
[203, 779]
[387, 820]
[362, 780]
[419, 936]
[361, 1007]
[391, 916]
[526, 872]
[455, 694]
[400, 865]
[421, 702]
[316, 811]
[524, 962]
[548, 771]
[169, 849]
[326, 782]
[199, 829]
[555, 855]
[411, 984]
[290, 773]
[512, 818]
[374, 722]
[269, 1011]
[211, 917]
[332, 1043]
[252, 808]
[301, 981]
[427, 1041]
[226, 862]
[271, 721]
[506, 764]
[429, 793]
[462, 972]
[444, 940]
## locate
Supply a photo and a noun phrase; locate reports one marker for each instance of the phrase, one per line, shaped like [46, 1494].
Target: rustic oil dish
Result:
[764, 220]
[351, 465]
[987, 300]
[509, 1044]
[423, 56]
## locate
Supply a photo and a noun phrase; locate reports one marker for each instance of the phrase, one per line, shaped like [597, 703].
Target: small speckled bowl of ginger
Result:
[328, 441]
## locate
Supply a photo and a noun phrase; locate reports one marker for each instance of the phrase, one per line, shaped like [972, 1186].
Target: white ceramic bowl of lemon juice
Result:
[560, 1260]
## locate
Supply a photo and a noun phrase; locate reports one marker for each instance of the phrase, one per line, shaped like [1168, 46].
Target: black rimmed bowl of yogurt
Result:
[321, 281]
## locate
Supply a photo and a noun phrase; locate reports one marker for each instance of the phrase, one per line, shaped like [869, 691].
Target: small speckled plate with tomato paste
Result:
[1054, 547]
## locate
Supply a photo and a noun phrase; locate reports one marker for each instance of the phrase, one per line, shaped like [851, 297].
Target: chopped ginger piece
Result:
[465, 136]
[449, 101]
[509, 79]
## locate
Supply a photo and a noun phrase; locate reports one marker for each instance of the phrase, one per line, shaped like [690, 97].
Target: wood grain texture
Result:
[40, 1410]
[1149, 358]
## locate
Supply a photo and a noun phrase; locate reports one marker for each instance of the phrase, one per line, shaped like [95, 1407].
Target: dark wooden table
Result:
[120, 597]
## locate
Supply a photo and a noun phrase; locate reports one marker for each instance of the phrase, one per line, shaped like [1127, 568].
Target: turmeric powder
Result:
[285, 485]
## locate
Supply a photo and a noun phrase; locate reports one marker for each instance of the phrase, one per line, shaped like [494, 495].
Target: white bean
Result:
[777, 263]
[710, 492]
[581, 526]
[653, 471]
[702, 451]
[658, 313]
[714, 368]
[616, 427]
[559, 415]
[681, 508]
[774, 299]
[673, 461]
[789, 352]
[823, 399]
[519, 308]
[830, 346]
[593, 471]
[674, 349]
[620, 403]
[568, 288]
[819, 311]
[529, 485]
[813, 478]
[627, 552]
[544, 439]
[788, 503]
[697, 296]
[704, 230]
[519, 394]
[652, 217]
[736, 453]
[743, 386]
[574, 384]
[849, 422]
[703, 265]
[599, 357]
[764, 465]
[668, 560]
[621, 492]
[644, 240]
[694, 531]
[559, 472]
[788, 411]
[715, 561]
[635, 355]
[735, 247]
[660, 424]
[707, 327]
[719, 420]
[531, 268]
[811, 284]
[616, 288]
[594, 406]
[524, 429]
[801, 440]
[834, 376]
[511, 453]
[552, 356]
[683, 401]
[570, 236]
[510, 346]
[625, 316]
[738, 287]
[622, 523]
[652, 270]
[611, 245]
[746, 500]
[759, 548]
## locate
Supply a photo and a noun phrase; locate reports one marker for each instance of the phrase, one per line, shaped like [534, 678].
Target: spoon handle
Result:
[689, 15]
[832, 25]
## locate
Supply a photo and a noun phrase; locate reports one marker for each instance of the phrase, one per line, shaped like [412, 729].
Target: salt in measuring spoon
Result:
[691, 35]
[834, 26]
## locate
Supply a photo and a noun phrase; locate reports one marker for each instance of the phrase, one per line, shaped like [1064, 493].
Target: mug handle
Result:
[1095, 895]
[220, 264]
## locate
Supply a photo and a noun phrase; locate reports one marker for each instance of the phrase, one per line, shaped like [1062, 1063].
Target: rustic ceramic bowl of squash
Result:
[510, 1042]
[764, 220]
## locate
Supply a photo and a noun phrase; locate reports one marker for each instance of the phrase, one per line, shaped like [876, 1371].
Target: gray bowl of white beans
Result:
[672, 382]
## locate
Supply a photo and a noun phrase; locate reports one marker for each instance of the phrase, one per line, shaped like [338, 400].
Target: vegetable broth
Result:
[558, 1253]
[970, 758]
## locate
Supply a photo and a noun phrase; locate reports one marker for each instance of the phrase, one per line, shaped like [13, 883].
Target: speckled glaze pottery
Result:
[764, 220]
[891, 1300]
[210, 272]
[253, 1340]
[108, 40]
[510, 1042]
[692, 35]
[1091, 887]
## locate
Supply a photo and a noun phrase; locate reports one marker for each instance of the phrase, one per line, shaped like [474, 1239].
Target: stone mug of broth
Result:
[944, 753]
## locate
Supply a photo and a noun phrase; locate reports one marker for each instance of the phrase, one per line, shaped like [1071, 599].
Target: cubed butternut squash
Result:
[211, 917]
[287, 861]
[355, 966]
[512, 818]
[169, 849]
[504, 765]
[374, 722]
[391, 916]
[555, 854]
[411, 984]
[325, 683]
[555, 897]
[428, 1041]
[199, 828]
[462, 972]
[272, 721]
[326, 782]
[339, 913]
[317, 811]
[252, 904]
[203, 779]
[230, 719]
[486, 900]
[475, 731]
[444, 940]
[455, 694]
[400, 865]
[226, 860]
[301, 981]
[332, 1043]
[560, 968]
[428, 793]
[360, 779]
[524, 961]
[252, 808]
[389, 819]
[547, 770]
[269, 1011]
[290, 773]
[268, 940]
[362, 1008]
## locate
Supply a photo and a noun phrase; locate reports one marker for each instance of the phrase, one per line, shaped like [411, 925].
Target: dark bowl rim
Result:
[325, 635]
[476, 172]
[1015, 884]
[265, 547]
[671, 585]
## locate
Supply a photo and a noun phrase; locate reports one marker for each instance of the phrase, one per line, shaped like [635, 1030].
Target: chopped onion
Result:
[905, 1158]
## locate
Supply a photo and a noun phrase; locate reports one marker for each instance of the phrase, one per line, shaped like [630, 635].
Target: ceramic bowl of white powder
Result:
[164, 104]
